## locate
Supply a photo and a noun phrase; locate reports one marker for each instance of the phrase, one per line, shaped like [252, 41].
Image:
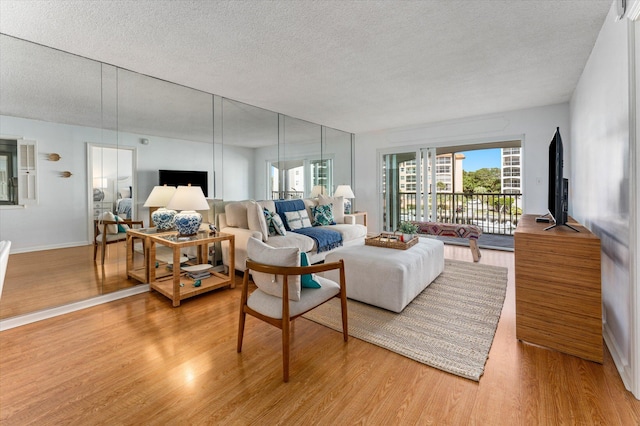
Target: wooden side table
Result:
[140, 272]
[170, 286]
[360, 217]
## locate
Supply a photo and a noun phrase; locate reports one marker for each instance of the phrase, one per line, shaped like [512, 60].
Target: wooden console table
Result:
[558, 288]
[170, 286]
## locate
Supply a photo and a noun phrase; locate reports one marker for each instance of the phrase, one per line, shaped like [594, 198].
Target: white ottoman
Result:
[389, 278]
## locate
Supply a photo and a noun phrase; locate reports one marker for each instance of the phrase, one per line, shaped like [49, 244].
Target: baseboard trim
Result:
[618, 357]
[25, 319]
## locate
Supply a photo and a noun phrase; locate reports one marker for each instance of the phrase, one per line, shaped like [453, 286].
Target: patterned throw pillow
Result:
[322, 215]
[274, 223]
[298, 219]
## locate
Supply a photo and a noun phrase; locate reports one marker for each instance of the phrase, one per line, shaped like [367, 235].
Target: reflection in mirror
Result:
[54, 100]
[64, 104]
[250, 137]
[297, 168]
[172, 127]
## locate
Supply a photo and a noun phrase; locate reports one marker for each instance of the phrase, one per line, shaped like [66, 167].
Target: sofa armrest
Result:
[349, 219]
[241, 240]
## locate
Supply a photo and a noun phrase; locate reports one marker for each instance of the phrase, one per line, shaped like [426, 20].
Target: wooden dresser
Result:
[558, 290]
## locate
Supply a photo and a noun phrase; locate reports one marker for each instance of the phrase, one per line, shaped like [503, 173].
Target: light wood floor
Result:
[49, 278]
[140, 361]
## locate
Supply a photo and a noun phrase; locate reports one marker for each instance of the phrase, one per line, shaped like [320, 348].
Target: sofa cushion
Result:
[348, 232]
[236, 215]
[338, 206]
[322, 215]
[285, 256]
[298, 219]
[256, 220]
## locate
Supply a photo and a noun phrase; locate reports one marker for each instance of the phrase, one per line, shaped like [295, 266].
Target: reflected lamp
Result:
[160, 216]
[345, 192]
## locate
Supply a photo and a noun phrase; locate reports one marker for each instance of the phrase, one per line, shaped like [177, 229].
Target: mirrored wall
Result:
[101, 134]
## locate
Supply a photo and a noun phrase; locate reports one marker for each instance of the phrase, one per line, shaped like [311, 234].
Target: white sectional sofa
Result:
[244, 219]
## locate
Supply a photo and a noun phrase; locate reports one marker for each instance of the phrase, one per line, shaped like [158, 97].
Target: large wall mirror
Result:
[102, 134]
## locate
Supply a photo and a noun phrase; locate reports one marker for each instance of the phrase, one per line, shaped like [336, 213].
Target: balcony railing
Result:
[286, 195]
[494, 213]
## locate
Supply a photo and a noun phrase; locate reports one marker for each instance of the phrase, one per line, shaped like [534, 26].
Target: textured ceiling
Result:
[352, 65]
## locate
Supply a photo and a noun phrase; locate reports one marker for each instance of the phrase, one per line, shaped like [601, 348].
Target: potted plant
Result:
[408, 230]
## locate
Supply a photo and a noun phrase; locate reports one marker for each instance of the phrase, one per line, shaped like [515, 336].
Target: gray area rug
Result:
[449, 326]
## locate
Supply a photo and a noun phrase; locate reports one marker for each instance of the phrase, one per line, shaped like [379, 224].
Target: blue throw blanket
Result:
[283, 206]
[326, 239]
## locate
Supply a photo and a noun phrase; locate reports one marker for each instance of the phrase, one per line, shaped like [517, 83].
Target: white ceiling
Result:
[352, 65]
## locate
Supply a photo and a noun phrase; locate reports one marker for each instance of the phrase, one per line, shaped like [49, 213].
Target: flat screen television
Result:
[185, 178]
[558, 203]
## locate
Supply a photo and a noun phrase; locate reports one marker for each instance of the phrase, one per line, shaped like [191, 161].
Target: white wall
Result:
[601, 171]
[534, 126]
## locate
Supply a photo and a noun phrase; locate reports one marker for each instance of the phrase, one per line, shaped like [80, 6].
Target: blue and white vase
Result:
[188, 222]
[163, 219]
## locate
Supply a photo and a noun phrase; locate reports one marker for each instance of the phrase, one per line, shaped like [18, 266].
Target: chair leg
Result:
[95, 250]
[285, 349]
[104, 249]
[243, 316]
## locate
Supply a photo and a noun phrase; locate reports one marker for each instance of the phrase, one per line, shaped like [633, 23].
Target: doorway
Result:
[111, 181]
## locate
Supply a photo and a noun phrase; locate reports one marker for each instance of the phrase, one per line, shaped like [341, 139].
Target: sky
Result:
[480, 159]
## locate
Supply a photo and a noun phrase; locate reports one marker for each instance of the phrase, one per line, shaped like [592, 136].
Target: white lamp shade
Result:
[344, 191]
[188, 198]
[317, 190]
[160, 196]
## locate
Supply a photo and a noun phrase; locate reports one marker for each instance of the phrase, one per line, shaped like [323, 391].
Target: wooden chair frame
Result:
[104, 223]
[285, 323]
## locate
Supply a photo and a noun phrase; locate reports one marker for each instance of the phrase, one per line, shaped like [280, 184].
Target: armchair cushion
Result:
[285, 256]
[271, 306]
[108, 216]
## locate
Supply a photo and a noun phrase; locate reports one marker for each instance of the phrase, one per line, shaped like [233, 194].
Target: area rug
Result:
[449, 326]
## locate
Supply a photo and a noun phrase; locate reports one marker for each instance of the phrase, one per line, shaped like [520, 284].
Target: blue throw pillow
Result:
[307, 280]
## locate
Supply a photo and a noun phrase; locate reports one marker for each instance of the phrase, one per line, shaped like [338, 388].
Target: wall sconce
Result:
[144, 141]
[65, 174]
[53, 157]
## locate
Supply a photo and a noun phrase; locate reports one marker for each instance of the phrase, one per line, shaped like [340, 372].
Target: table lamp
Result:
[188, 199]
[157, 201]
[345, 192]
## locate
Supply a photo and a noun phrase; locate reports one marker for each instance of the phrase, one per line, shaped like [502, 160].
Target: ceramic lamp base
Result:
[187, 222]
[347, 206]
[163, 219]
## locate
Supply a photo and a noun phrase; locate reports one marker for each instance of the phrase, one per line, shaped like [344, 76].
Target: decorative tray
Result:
[390, 241]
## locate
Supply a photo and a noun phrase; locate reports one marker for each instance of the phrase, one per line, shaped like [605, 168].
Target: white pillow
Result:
[298, 219]
[124, 192]
[256, 220]
[286, 256]
[111, 229]
[338, 206]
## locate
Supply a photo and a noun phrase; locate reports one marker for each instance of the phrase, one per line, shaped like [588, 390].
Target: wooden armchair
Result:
[277, 285]
[103, 233]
